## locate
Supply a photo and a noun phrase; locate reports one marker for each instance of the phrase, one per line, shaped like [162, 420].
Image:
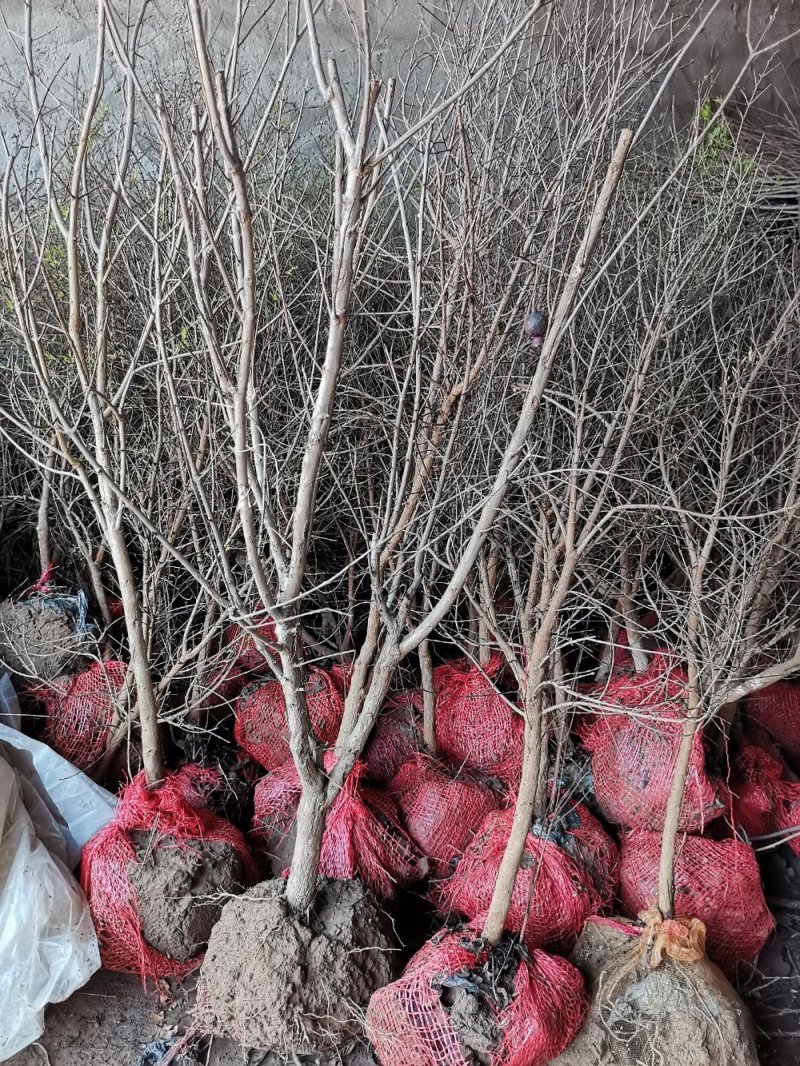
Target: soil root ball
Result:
[685, 1013]
[295, 985]
[181, 888]
[156, 877]
[38, 640]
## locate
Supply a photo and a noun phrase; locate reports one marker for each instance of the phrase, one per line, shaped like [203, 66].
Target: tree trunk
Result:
[527, 808]
[140, 663]
[669, 836]
[301, 886]
[428, 697]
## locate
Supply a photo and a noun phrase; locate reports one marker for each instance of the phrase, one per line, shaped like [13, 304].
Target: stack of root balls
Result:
[415, 839]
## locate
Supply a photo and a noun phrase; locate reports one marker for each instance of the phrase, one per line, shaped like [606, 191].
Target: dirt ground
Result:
[111, 1022]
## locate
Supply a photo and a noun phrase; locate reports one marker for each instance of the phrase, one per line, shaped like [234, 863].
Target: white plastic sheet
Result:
[48, 947]
[9, 704]
[77, 807]
[48, 811]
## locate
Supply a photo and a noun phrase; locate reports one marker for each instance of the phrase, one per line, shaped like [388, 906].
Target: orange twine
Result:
[680, 939]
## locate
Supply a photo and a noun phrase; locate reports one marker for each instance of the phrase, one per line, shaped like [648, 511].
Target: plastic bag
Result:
[48, 947]
[77, 807]
[10, 713]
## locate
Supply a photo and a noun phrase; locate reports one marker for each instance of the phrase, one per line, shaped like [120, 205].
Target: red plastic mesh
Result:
[42, 586]
[262, 728]
[223, 685]
[633, 756]
[766, 799]
[776, 710]
[409, 1025]
[275, 803]
[197, 783]
[475, 726]
[341, 673]
[441, 812]
[108, 855]
[80, 709]
[243, 659]
[395, 738]
[556, 889]
[364, 835]
[717, 881]
[244, 648]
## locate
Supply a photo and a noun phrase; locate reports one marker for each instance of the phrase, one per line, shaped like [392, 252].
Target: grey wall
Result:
[65, 42]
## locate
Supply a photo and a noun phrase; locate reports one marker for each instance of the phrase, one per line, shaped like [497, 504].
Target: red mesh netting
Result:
[776, 710]
[621, 656]
[222, 686]
[342, 673]
[633, 756]
[717, 881]
[475, 726]
[242, 660]
[563, 878]
[364, 835]
[80, 709]
[766, 798]
[410, 1026]
[395, 738]
[244, 648]
[441, 812]
[108, 855]
[275, 801]
[42, 586]
[197, 783]
[262, 729]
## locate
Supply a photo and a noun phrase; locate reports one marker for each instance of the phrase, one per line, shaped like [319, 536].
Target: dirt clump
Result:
[639, 1016]
[295, 985]
[182, 888]
[478, 1033]
[38, 640]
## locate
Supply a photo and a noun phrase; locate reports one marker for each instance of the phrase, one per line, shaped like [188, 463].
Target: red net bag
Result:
[108, 857]
[475, 726]
[80, 710]
[395, 738]
[341, 673]
[717, 881]
[531, 1005]
[765, 798]
[364, 835]
[197, 783]
[440, 811]
[275, 801]
[633, 756]
[776, 710]
[558, 884]
[242, 646]
[242, 659]
[262, 729]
